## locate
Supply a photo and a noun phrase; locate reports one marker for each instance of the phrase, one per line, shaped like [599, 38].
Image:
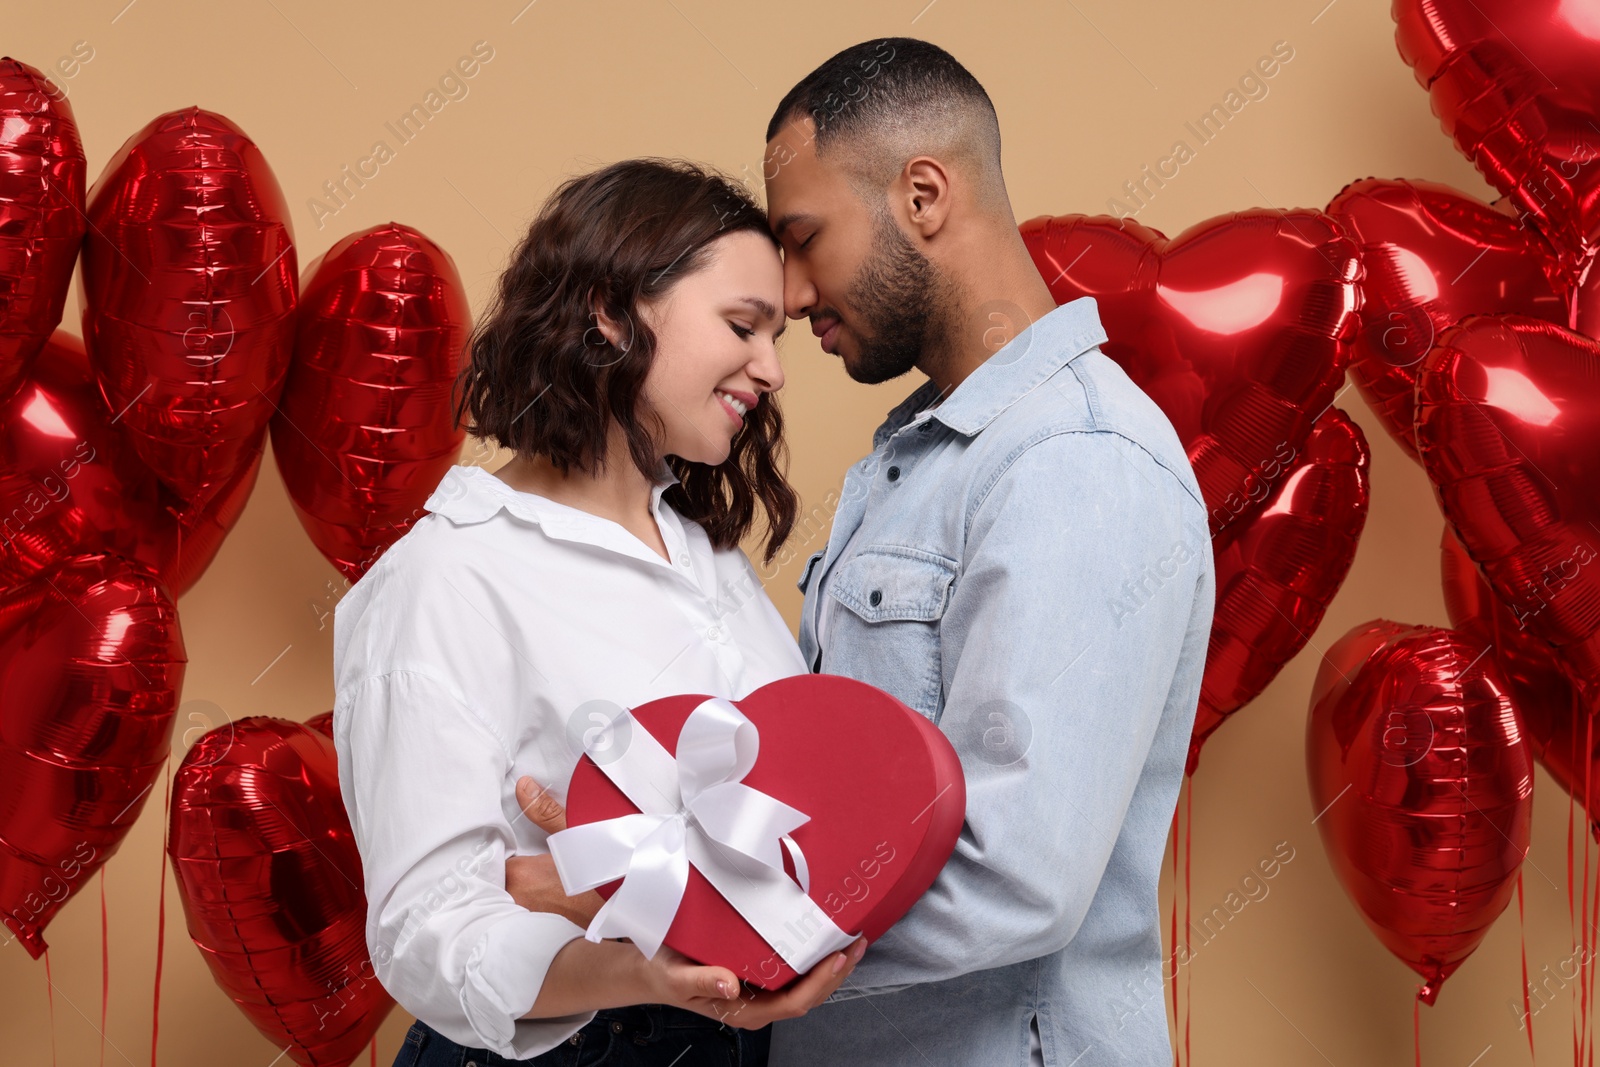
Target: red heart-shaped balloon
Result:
[1277, 573]
[1508, 426]
[270, 879]
[1239, 328]
[188, 290]
[365, 430]
[1552, 716]
[91, 665]
[1431, 257]
[71, 485]
[41, 214]
[882, 785]
[1516, 85]
[1422, 786]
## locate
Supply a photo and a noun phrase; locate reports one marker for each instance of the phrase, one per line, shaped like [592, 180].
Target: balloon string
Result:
[1572, 915]
[50, 994]
[1586, 974]
[1522, 935]
[105, 967]
[1416, 1027]
[1589, 952]
[161, 914]
[1172, 940]
[1188, 865]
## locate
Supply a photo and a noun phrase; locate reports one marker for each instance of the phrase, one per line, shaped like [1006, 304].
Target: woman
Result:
[628, 360]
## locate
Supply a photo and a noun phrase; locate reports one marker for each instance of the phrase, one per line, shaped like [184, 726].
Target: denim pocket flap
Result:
[883, 582]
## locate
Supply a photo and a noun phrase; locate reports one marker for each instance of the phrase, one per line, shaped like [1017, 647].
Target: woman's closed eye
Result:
[744, 332]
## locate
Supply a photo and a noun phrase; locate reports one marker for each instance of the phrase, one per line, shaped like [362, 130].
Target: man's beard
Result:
[897, 295]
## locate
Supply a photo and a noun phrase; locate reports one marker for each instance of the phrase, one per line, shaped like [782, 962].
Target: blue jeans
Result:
[642, 1035]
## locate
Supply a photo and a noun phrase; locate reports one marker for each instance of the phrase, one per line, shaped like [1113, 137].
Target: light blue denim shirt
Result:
[1030, 568]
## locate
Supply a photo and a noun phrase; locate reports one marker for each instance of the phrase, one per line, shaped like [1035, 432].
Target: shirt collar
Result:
[469, 494]
[1032, 356]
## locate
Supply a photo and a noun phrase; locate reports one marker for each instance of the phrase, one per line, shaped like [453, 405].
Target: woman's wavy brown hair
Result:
[542, 379]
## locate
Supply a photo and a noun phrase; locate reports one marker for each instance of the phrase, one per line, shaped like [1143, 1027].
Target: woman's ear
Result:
[604, 329]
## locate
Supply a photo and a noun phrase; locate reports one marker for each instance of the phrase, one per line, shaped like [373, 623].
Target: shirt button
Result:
[616, 1028]
[894, 473]
[683, 560]
[573, 1040]
[715, 633]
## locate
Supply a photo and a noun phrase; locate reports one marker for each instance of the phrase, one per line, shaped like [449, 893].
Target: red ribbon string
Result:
[1522, 934]
[50, 994]
[1416, 1027]
[105, 967]
[1173, 939]
[161, 917]
[1188, 864]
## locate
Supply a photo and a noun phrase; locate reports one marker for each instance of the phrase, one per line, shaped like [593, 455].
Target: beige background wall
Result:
[1088, 92]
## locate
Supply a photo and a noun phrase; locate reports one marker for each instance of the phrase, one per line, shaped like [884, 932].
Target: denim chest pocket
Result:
[889, 636]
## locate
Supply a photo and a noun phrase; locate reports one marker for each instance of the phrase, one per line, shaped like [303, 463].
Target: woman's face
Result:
[716, 346]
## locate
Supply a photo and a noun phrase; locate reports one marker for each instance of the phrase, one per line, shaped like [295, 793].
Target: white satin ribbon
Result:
[693, 809]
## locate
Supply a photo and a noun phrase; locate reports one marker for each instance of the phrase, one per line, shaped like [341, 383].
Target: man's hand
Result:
[532, 880]
[755, 1008]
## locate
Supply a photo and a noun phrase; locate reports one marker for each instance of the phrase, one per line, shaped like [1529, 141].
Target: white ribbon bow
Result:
[694, 808]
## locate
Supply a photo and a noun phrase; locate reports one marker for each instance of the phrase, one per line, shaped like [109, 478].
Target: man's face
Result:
[869, 292]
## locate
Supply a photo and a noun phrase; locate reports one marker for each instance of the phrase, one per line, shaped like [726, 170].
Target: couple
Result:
[981, 567]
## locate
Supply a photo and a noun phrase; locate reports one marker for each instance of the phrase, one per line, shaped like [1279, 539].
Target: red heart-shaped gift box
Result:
[883, 788]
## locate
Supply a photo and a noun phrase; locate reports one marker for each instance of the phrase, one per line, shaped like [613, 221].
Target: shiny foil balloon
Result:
[42, 178]
[189, 288]
[1277, 572]
[70, 484]
[1516, 85]
[1433, 256]
[91, 669]
[1552, 716]
[1422, 786]
[365, 430]
[271, 884]
[1239, 328]
[1508, 425]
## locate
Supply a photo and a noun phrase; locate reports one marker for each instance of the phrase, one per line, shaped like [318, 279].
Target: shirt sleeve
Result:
[1079, 618]
[421, 775]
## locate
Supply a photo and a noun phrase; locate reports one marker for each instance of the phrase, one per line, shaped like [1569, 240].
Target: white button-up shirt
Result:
[463, 660]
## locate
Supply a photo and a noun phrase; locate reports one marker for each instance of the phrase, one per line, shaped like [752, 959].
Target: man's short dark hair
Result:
[879, 95]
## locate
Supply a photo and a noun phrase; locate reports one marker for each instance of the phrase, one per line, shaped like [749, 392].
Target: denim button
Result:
[894, 473]
[876, 598]
[616, 1028]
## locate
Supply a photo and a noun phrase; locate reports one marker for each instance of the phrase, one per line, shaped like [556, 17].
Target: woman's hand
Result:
[532, 880]
[671, 977]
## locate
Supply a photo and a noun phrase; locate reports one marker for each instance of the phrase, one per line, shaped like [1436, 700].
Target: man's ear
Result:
[925, 188]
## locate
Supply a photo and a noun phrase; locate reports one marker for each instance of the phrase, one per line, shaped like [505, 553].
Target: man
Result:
[1024, 558]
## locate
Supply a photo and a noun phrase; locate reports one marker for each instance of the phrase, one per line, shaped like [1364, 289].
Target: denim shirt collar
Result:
[1029, 358]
